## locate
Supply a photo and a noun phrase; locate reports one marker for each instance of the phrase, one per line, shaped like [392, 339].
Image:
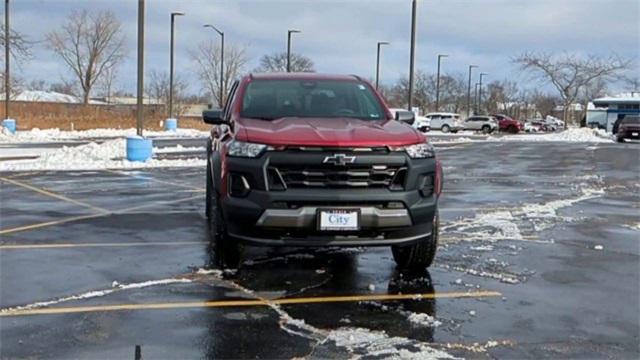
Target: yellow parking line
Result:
[156, 180]
[49, 223]
[164, 202]
[246, 303]
[91, 216]
[112, 244]
[53, 195]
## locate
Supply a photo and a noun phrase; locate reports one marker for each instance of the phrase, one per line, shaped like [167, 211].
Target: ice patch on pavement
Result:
[52, 135]
[364, 342]
[504, 224]
[98, 293]
[422, 319]
[93, 156]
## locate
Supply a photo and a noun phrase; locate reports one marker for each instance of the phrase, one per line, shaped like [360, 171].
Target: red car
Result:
[505, 123]
[318, 160]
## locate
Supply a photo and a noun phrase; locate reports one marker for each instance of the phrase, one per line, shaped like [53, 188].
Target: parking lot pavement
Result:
[538, 258]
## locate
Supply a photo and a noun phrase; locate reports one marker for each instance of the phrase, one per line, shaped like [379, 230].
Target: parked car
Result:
[541, 125]
[318, 160]
[445, 122]
[421, 123]
[508, 124]
[629, 128]
[484, 123]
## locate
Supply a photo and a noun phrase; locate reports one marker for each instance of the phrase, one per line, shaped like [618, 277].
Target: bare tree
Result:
[277, 62]
[424, 91]
[206, 56]
[570, 74]
[108, 81]
[157, 88]
[20, 45]
[503, 97]
[88, 45]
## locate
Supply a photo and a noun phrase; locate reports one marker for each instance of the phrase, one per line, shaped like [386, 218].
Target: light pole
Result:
[222, 85]
[289, 32]
[475, 99]
[412, 54]
[378, 61]
[469, 91]
[173, 17]
[480, 91]
[140, 94]
[7, 77]
[438, 82]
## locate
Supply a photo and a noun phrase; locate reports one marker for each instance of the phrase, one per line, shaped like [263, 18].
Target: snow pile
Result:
[93, 156]
[378, 344]
[48, 135]
[569, 135]
[178, 149]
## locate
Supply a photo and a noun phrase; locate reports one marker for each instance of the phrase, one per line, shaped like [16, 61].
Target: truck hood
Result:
[327, 132]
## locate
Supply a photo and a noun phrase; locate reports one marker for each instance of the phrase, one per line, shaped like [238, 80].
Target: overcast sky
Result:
[341, 36]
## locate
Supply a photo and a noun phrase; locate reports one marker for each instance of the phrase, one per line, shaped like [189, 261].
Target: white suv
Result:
[446, 122]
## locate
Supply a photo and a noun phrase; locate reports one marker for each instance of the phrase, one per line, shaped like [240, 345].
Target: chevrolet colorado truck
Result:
[310, 160]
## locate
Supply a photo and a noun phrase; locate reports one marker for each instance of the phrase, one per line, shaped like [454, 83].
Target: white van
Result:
[446, 122]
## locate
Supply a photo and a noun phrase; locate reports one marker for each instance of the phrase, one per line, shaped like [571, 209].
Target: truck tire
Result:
[620, 139]
[419, 255]
[228, 251]
[486, 129]
[445, 128]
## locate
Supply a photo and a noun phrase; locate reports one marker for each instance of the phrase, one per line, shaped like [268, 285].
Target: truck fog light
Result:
[238, 185]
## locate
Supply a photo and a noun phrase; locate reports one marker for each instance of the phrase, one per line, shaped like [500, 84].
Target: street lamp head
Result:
[293, 31]
[443, 55]
[177, 13]
[473, 66]
[214, 28]
[383, 43]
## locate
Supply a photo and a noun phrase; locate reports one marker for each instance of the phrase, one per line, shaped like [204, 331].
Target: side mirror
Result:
[405, 116]
[213, 117]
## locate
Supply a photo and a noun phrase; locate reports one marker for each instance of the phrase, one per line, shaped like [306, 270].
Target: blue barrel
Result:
[139, 148]
[171, 124]
[10, 125]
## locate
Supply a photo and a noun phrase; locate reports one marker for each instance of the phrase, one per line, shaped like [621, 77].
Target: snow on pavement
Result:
[52, 135]
[93, 156]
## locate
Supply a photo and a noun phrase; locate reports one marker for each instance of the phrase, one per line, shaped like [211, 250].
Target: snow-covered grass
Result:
[49, 135]
[93, 156]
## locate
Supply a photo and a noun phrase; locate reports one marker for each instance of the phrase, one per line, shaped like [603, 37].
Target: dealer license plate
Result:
[338, 219]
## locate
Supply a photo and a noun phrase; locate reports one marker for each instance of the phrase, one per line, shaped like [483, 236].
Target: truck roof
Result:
[302, 76]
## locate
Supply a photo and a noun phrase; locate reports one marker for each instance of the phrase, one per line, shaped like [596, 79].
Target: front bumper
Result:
[288, 217]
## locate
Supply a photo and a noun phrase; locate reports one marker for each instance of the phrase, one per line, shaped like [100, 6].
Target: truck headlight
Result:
[246, 149]
[418, 151]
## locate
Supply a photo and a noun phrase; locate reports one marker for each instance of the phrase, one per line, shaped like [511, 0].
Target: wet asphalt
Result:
[552, 230]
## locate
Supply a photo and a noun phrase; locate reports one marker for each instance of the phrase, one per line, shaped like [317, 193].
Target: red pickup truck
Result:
[318, 160]
[508, 124]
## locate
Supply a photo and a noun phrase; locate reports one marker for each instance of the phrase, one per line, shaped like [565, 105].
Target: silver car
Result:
[446, 122]
[486, 124]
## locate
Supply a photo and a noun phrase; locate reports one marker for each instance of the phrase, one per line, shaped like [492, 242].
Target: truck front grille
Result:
[353, 176]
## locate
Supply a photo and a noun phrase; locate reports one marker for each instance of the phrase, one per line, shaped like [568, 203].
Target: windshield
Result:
[274, 99]
[631, 120]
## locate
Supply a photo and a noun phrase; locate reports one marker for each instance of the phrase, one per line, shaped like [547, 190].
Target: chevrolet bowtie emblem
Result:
[339, 159]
